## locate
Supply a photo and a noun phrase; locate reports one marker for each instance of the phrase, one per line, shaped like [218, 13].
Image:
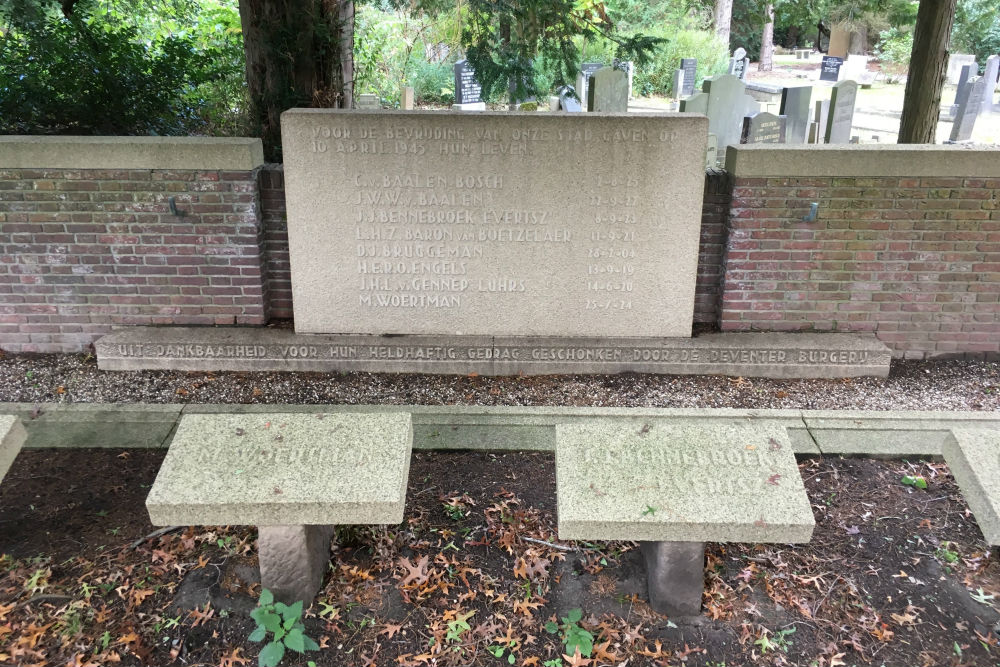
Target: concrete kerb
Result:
[833, 432]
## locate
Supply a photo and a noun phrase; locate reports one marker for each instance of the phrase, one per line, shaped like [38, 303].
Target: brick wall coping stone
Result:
[891, 433]
[189, 153]
[859, 161]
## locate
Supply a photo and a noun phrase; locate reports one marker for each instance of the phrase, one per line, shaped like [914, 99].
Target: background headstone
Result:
[568, 101]
[739, 64]
[406, 98]
[840, 43]
[763, 128]
[690, 67]
[841, 118]
[956, 62]
[962, 91]
[712, 152]
[822, 113]
[795, 107]
[965, 119]
[583, 79]
[467, 88]
[725, 101]
[628, 67]
[990, 75]
[607, 91]
[368, 102]
[829, 70]
[678, 85]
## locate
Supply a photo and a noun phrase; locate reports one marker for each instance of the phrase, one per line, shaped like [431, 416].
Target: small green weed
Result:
[285, 623]
[497, 650]
[916, 481]
[777, 641]
[573, 636]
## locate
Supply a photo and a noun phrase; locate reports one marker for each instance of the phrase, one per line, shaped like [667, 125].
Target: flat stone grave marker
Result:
[840, 120]
[674, 485]
[607, 91]
[795, 108]
[763, 128]
[690, 68]
[294, 476]
[973, 454]
[725, 101]
[968, 111]
[368, 102]
[829, 69]
[12, 437]
[583, 79]
[493, 239]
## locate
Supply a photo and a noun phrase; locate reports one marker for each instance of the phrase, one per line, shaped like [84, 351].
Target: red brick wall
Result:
[914, 260]
[714, 213]
[82, 250]
[278, 272]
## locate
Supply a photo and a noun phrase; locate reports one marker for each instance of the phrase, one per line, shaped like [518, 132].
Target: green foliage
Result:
[976, 29]
[916, 482]
[893, 51]
[102, 71]
[777, 641]
[502, 39]
[285, 623]
[657, 77]
[573, 636]
[432, 82]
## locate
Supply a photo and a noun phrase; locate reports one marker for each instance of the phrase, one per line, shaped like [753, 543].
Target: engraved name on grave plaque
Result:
[429, 223]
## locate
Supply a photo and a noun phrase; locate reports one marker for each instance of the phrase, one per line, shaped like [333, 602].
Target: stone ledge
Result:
[774, 355]
[518, 428]
[863, 161]
[12, 438]
[972, 456]
[177, 153]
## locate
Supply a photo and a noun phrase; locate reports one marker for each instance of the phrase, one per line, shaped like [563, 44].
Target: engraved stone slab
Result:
[973, 454]
[12, 437]
[277, 469]
[690, 68]
[968, 110]
[681, 482]
[735, 354]
[608, 91]
[429, 223]
[795, 107]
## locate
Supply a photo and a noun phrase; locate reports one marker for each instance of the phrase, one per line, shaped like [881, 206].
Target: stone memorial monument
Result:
[841, 116]
[795, 108]
[607, 91]
[990, 75]
[486, 243]
[406, 98]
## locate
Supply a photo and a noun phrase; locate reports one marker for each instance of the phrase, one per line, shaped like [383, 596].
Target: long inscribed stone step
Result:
[493, 223]
[776, 355]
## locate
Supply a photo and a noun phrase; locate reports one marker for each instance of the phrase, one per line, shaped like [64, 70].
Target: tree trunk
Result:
[766, 63]
[928, 63]
[295, 53]
[723, 16]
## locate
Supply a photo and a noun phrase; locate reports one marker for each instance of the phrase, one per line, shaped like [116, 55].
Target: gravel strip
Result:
[911, 385]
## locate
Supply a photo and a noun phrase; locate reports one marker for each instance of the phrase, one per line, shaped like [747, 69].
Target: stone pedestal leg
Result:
[675, 572]
[293, 560]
